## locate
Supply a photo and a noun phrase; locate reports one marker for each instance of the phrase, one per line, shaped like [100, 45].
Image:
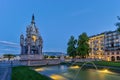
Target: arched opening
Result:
[112, 58]
[118, 57]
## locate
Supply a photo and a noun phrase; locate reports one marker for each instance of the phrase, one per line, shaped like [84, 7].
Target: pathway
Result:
[5, 70]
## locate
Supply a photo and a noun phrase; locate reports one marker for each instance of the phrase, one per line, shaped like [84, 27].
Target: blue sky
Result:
[57, 20]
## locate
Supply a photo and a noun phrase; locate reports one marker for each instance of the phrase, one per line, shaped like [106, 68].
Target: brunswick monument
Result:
[32, 43]
[31, 47]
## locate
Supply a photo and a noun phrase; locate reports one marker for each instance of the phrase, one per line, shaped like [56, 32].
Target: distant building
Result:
[96, 44]
[32, 43]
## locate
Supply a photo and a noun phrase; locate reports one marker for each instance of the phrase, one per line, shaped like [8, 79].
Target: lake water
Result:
[63, 72]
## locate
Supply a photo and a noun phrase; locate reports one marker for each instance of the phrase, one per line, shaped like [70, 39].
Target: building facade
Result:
[32, 43]
[112, 46]
[96, 44]
[105, 46]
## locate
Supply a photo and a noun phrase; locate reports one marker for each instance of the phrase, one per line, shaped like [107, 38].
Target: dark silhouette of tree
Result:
[82, 45]
[9, 56]
[71, 49]
[52, 57]
[118, 24]
[45, 56]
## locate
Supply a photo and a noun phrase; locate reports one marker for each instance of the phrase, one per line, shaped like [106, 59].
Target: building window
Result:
[112, 58]
[112, 44]
[112, 53]
[118, 57]
[102, 48]
[117, 53]
[108, 53]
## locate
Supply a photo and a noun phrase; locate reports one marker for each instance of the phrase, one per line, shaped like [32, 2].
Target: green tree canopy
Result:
[71, 49]
[82, 45]
[45, 56]
[52, 57]
[9, 56]
[118, 24]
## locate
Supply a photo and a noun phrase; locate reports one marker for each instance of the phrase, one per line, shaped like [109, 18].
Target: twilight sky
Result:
[57, 20]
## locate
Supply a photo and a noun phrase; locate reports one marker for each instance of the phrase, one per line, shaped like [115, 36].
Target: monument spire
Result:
[33, 19]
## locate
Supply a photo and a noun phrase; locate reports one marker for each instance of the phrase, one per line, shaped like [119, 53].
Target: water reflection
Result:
[63, 72]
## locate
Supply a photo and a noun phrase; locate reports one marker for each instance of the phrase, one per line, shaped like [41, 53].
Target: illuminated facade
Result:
[96, 44]
[105, 46]
[112, 46]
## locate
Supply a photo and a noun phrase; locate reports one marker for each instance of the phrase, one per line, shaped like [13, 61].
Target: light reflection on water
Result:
[62, 72]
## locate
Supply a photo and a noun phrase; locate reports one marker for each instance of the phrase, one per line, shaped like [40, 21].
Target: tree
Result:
[118, 24]
[52, 57]
[71, 49]
[82, 45]
[45, 56]
[9, 56]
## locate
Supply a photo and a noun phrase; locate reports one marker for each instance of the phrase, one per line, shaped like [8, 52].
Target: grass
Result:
[100, 63]
[25, 73]
[106, 63]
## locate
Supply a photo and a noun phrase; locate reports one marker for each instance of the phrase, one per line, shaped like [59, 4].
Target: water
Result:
[82, 67]
[63, 72]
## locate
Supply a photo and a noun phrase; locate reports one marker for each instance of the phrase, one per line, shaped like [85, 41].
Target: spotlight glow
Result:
[74, 67]
[39, 69]
[57, 77]
[104, 71]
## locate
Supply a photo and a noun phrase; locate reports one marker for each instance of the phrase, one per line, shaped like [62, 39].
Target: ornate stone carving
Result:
[22, 40]
[32, 44]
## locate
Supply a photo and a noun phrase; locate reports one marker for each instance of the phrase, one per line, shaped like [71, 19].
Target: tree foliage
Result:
[9, 56]
[82, 45]
[71, 49]
[118, 24]
[52, 57]
[45, 56]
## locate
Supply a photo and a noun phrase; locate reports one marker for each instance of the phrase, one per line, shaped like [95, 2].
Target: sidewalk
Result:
[5, 71]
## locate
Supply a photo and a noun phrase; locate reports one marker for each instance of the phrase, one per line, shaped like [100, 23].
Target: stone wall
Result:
[40, 62]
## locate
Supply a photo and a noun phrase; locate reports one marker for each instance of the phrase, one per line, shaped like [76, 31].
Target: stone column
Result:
[28, 54]
[39, 50]
[28, 63]
[21, 49]
[28, 50]
[115, 55]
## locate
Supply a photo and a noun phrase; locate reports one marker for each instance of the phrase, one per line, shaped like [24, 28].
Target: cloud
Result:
[11, 44]
[9, 50]
[9, 47]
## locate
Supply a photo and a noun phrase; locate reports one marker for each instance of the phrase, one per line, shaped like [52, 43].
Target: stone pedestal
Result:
[29, 59]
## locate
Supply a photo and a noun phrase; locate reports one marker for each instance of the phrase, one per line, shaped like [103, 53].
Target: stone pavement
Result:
[5, 70]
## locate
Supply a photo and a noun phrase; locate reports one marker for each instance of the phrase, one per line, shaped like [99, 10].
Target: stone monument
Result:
[31, 44]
